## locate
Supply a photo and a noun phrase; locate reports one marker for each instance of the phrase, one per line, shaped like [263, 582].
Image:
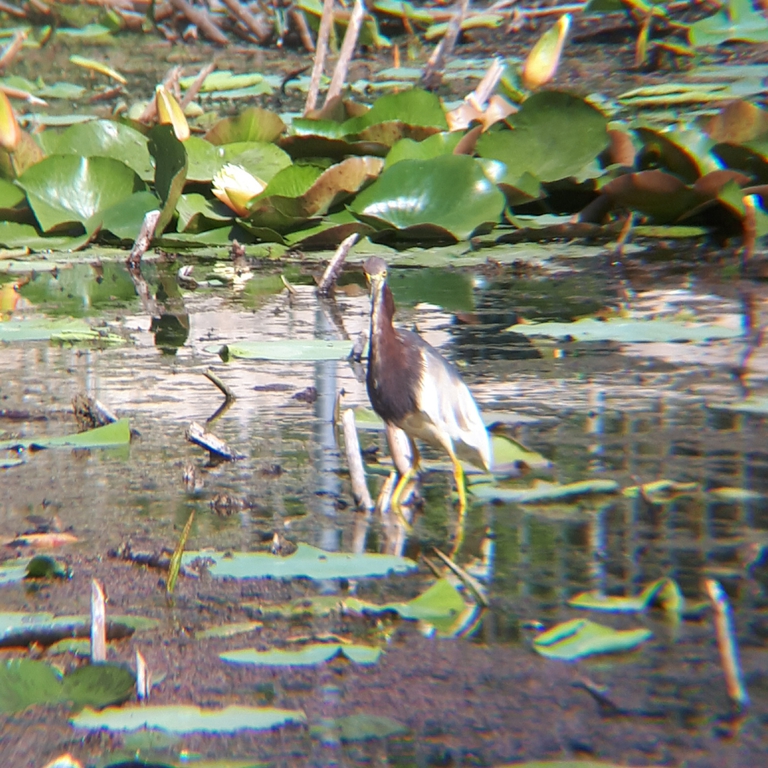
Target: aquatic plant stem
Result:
[347, 51]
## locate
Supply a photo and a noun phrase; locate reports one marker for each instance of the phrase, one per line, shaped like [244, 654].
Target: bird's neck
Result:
[382, 312]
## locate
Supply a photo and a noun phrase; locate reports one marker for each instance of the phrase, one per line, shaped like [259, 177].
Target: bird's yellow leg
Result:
[458, 476]
[402, 483]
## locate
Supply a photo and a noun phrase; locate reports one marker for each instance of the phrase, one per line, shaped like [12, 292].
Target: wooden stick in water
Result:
[323, 35]
[726, 643]
[347, 51]
[355, 461]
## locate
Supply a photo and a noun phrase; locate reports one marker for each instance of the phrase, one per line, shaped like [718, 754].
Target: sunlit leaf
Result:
[97, 66]
[62, 189]
[24, 682]
[103, 138]
[187, 719]
[541, 63]
[306, 562]
[578, 638]
[555, 134]
[10, 132]
[307, 656]
[736, 20]
[445, 197]
[508, 454]
[169, 112]
[663, 592]
[360, 727]
[228, 630]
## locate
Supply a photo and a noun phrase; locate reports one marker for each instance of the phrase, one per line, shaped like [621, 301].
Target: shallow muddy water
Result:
[630, 412]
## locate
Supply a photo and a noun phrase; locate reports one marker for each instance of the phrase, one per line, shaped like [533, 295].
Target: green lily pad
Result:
[102, 138]
[24, 682]
[15, 235]
[628, 331]
[753, 404]
[445, 197]
[13, 571]
[543, 493]
[306, 350]
[223, 80]
[441, 601]
[308, 656]
[555, 134]
[736, 21]
[109, 436]
[38, 329]
[509, 454]
[434, 146]
[187, 719]
[63, 189]
[578, 638]
[125, 219]
[306, 562]
[198, 213]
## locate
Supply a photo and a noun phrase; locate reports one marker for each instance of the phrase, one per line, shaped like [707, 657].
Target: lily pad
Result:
[663, 592]
[308, 656]
[578, 638]
[187, 719]
[109, 436]
[63, 189]
[253, 124]
[361, 727]
[306, 350]
[736, 20]
[445, 197]
[628, 331]
[306, 562]
[544, 492]
[555, 135]
[24, 682]
[102, 138]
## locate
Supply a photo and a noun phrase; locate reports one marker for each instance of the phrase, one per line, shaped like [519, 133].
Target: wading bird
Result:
[413, 387]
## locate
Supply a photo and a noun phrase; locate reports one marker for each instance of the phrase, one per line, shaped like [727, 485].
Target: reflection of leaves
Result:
[544, 492]
[578, 638]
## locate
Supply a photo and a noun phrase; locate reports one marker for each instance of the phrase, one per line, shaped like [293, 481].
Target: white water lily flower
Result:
[235, 187]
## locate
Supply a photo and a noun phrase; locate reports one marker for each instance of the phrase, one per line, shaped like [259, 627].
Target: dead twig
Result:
[12, 49]
[197, 84]
[432, 75]
[469, 581]
[360, 491]
[323, 36]
[347, 51]
[335, 264]
[201, 19]
[248, 20]
[302, 27]
[726, 643]
[214, 445]
[144, 240]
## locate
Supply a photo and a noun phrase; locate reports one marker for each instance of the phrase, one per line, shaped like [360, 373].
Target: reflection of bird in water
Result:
[413, 387]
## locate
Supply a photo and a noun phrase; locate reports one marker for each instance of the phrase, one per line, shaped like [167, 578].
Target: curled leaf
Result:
[544, 58]
[10, 133]
[169, 112]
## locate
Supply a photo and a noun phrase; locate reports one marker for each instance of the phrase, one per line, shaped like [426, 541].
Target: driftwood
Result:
[214, 445]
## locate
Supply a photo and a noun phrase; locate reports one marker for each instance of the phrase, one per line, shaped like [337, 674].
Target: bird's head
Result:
[375, 271]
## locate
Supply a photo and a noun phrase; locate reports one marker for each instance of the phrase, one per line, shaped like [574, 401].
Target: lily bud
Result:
[544, 58]
[169, 112]
[10, 133]
[236, 187]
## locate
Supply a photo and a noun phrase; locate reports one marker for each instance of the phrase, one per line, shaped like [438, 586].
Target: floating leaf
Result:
[661, 490]
[228, 630]
[444, 197]
[187, 719]
[737, 20]
[109, 436]
[508, 454]
[97, 66]
[663, 592]
[44, 567]
[308, 656]
[24, 682]
[544, 492]
[306, 562]
[753, 404]
[361, 727]
[628, 331]
[304, 350]
[578, 638]
[98, 685]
